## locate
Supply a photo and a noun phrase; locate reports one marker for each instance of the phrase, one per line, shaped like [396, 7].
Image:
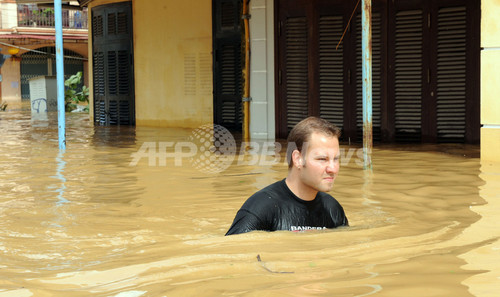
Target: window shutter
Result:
[451, 74]
[296, 68]
[408, 75]
[331, 70]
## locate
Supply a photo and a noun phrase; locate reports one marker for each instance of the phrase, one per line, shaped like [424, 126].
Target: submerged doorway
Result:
[113, 68]
[228, 80]
[425, 68]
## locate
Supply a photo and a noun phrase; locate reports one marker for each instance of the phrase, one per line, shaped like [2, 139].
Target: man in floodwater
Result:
[299, 202]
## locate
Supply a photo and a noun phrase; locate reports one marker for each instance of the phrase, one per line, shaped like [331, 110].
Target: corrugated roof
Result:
[52, 2]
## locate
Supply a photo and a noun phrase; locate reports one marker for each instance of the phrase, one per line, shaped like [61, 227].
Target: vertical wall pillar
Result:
[490, 80]
[262, 69]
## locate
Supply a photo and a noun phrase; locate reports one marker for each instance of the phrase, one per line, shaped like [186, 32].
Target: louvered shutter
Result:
[228, 64]
[98, 67]
[408, 75]
[113, 66]
[230, 83]
[331, 69]
[99, 88]
[296, 70]
[451, 74]
[376, 78]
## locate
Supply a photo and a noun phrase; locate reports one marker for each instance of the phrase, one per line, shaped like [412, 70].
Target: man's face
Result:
[321, 162]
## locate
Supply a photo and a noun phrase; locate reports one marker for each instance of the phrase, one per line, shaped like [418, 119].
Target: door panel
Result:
[451, 74]
[425, 73]
[228, 79]
[296, 69]
[331, 69]
[113, 75]
[408, 67]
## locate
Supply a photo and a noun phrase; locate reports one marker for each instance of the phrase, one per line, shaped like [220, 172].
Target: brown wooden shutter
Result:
[331, 69]
[296, 69]
[408, 69]
[451, 74]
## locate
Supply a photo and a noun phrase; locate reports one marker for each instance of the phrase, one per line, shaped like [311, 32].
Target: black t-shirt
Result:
[276, 207]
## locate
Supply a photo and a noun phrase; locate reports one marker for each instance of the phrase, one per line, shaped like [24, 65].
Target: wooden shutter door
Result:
[408, 68]
[98, 65]
[114, 102]
[292, 91]
[331, 69]
[228, 80]
[296, 70]
[451, 74]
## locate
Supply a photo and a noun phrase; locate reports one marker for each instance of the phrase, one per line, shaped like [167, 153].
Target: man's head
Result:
[300, 135]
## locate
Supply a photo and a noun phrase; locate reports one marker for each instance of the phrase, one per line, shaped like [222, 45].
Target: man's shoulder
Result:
[266, 196]
[334, 208]
[327, 199]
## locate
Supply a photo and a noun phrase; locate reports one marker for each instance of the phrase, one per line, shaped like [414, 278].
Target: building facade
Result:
[430, 64]
[27, 34]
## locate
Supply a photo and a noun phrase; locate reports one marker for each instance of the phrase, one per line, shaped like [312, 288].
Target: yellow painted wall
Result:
[490, 80]
[173, 62]
[11, 84]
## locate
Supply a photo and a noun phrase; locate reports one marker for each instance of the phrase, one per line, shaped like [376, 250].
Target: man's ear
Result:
[297, 158]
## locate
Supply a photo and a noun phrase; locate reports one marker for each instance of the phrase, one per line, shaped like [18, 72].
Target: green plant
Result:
[72, 96]
[45, 16]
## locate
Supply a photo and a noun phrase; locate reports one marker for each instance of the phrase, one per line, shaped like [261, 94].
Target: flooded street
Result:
[97, 221]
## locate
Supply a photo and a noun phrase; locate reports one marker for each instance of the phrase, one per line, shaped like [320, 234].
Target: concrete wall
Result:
[490, 80]
[11, 85]
[262, 113]
[173, 62]
[8, 9]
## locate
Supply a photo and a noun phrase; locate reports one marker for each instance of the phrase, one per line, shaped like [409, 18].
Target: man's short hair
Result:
[302, 132]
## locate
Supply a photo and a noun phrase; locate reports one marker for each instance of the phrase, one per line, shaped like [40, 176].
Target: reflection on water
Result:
[87, 223]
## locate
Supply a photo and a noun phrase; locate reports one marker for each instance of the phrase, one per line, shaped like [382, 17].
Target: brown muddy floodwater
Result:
[97, 221]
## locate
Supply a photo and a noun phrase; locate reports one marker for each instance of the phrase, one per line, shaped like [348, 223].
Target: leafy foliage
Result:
[72, 96]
